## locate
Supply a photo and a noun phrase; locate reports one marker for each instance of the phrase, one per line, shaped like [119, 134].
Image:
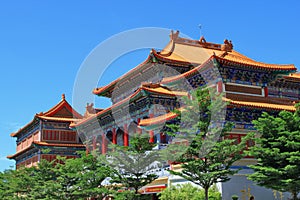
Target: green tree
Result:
[44, 179]
[278, 152]
[83, 177]
[17, 184]
[134, 163]
[208, 157]
[78, 178]
[187, 191]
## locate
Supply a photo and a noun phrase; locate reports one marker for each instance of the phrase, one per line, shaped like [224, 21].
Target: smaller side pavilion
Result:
[49, 130]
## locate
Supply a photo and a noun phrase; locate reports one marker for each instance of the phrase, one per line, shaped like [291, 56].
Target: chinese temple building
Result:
[49, 130]
[143, 98]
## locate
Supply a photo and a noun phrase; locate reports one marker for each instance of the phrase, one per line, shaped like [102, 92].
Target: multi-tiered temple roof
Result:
[143, 99]
[194, 55]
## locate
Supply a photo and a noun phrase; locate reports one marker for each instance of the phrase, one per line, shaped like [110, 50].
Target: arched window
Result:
[109, 136]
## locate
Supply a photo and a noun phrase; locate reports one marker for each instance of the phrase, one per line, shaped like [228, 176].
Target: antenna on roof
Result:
[200, 27]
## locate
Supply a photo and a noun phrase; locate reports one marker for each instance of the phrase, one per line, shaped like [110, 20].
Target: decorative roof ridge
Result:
[226, 46]
[63, 102]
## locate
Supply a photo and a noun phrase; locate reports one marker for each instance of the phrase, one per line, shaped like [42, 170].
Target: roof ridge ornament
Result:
[173, 35]
[89, 110]
[227, 46]
[202, 40]
[63, 97]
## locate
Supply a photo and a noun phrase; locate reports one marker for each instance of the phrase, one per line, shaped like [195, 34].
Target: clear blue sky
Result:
[43, 43]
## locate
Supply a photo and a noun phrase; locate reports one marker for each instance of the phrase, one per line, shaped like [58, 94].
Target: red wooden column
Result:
[104, 148]
[125, 136]
[139, 130]
[220, 86]
[266, 91]
[151, 133]
[114, 139]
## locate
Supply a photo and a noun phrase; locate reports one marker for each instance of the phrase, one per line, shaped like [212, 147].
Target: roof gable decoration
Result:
[62, 109]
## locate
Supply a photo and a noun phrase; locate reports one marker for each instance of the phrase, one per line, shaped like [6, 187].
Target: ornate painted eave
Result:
[144, 90]
[294, 77]
[267, 104]
[44, 144]
[231, 60]
[264, 103]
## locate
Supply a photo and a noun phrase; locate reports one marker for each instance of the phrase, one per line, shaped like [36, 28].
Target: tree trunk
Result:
[136, 190]
[206, 192]
[295, 194]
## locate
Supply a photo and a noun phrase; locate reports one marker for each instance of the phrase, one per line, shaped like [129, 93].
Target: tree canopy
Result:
[187, 191]
[278, 152]
[134, 164]
[74, 179]
[208, 157]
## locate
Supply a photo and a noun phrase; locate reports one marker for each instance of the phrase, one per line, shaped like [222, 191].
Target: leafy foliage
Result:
[278, 152]
[134, 163]
[82, 178]
[187, 191]
[75, 179]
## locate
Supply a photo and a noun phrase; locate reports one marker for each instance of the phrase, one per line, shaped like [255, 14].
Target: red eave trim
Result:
[99, 91]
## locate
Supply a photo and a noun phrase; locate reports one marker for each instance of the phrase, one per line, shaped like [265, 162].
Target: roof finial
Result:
[200, 27]
[63, 96]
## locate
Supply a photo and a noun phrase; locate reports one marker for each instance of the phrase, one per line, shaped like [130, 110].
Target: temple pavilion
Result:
[48, 135]
[143, 98]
